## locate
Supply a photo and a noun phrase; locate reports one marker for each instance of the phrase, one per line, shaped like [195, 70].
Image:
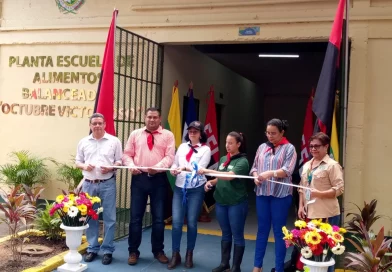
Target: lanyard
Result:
[311, 171]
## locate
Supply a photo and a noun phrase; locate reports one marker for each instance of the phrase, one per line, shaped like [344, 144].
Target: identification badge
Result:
[307, 194]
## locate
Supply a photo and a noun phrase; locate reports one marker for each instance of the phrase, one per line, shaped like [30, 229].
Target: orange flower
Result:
[337, 237]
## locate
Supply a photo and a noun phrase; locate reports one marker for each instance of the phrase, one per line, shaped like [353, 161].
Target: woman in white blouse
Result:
[188, 194]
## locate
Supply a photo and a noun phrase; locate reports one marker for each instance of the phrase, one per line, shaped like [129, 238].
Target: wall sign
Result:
[69, 6]
[249, 31]
[51, 92]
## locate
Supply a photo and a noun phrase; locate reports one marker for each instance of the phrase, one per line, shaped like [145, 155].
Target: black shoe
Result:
[225, 257]
[237, 258]
[90, 256]
[107, 259]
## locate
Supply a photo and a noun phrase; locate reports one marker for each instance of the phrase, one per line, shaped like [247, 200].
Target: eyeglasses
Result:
[317, 146]
[271, 133]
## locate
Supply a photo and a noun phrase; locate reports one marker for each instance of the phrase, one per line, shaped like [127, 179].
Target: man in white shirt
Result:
[95, 155]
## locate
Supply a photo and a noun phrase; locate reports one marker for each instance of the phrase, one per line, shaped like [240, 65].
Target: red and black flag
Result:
[104, 102]
[324, 99]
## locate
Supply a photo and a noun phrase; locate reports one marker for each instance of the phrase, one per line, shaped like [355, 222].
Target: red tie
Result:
[226, 163]
[150, 138]
[193, 149]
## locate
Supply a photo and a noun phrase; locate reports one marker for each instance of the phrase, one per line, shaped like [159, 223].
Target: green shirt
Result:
[232, 192]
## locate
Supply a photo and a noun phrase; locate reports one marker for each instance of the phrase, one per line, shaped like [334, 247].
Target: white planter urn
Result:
[73, 239]
[317, 266]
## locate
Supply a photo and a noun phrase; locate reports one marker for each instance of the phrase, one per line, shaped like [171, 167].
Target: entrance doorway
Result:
[250, 91]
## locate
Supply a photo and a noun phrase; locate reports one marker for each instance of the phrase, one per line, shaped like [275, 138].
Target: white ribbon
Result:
[209, 174]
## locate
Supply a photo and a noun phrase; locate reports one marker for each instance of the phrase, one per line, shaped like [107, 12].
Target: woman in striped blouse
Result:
[275, 160]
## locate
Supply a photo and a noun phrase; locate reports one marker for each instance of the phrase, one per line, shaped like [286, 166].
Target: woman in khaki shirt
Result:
[324, 177]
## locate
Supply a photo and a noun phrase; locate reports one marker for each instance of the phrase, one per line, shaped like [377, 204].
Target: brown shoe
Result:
[189, 259]
[161, 257]
[133, 258]
[175, 260]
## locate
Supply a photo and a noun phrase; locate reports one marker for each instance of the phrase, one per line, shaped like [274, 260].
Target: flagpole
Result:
[345, 97]
[345, 86]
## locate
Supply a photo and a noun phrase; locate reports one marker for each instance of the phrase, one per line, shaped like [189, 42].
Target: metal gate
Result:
[138, 86]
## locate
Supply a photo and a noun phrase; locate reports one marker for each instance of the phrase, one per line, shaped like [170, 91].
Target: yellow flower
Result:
[83, 209]
[71, 197]
[287, 234]
[65, 208]
[87, 195]
[288, 237]
[327, 228]
[300, 224]
[342, 230]
[95, 199]
[317, 222]
[337, 237]
[59, 198]
[285, 231]
[71, 203]
[312, 238]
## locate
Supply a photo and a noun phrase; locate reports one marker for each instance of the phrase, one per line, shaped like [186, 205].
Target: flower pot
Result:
[73, 239]
[317, 266]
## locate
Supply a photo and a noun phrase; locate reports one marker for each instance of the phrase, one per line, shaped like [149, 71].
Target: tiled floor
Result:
[206, 255]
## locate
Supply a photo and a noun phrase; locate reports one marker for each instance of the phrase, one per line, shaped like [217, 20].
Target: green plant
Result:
[26, 169]
[47, 223]
[372, 249]
[367, 215]
[70, 175]
[17, 211]
[32, 194]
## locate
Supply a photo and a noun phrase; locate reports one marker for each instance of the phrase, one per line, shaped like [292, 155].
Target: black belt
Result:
[97, 180]
[155, 175]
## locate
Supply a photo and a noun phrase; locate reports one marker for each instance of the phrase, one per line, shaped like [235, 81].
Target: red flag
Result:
[307, 131]
[324, 98]
[104, 102]
[211, 129]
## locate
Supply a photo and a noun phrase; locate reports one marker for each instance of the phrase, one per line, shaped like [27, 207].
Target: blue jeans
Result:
[106, 191]
[195, 197]
[143, 186]
[231, 220]
[273, 210]
[334, 220]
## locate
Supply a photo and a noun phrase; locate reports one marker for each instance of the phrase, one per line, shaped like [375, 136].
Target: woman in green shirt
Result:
[231, 200]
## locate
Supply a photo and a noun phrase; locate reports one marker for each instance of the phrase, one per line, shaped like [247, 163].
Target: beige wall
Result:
[240, 96]
[47, 136]
[38, 24]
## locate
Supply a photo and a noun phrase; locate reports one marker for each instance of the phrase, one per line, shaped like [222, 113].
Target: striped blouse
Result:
[285, 158]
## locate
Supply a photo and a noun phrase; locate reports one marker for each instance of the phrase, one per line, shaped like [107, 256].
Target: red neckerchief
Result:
[272, 147]
[150, 138]
[226, 163]
[193, 149]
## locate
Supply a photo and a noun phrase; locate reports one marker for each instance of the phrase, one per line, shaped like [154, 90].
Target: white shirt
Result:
[103, 152]
[202, 158]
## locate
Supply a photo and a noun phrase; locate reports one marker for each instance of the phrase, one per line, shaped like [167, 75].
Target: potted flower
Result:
[75, 211]
[317, 241]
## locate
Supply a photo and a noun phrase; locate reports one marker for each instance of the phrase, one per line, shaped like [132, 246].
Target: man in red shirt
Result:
[150, 146]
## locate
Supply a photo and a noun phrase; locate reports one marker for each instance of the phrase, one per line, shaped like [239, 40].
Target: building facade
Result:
[44, 49]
